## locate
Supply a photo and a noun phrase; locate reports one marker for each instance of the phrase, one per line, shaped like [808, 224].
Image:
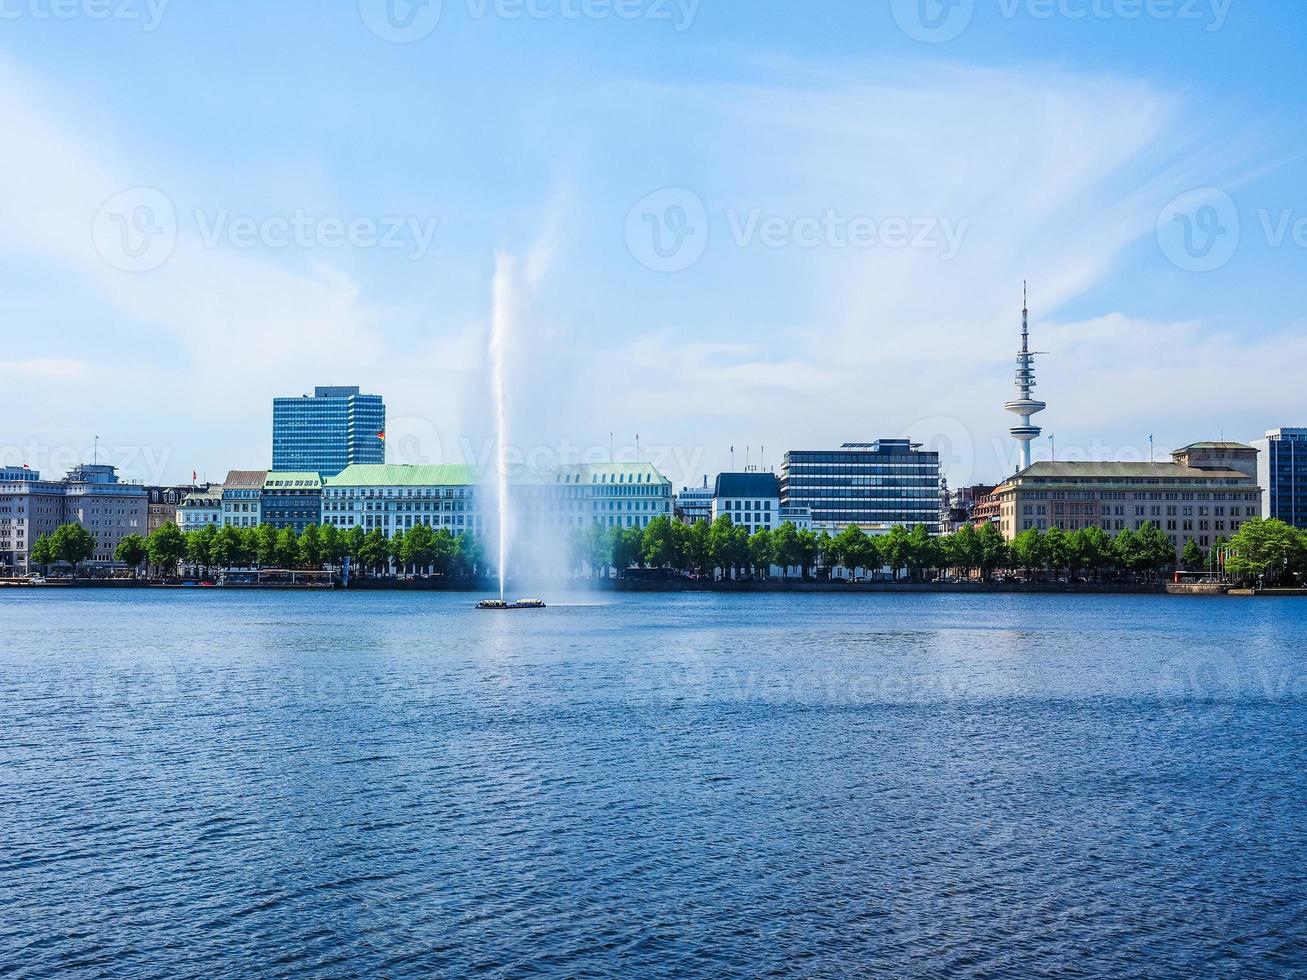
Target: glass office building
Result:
[325, 432]
[872, 485]
[1282, 475]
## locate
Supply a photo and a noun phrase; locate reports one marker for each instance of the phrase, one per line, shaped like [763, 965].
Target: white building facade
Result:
[391, 498]
[751, 500]
[199, 509]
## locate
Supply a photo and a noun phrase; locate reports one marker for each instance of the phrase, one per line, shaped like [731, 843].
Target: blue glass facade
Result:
[873, 485]
[334, 428]
[1282, 473]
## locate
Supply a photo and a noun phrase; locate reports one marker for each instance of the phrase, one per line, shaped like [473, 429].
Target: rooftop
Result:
[292, 481]
[245, 479]
[1122, 471]
[611, 473]
[1219, 446]
[747, 485]
[399, 475]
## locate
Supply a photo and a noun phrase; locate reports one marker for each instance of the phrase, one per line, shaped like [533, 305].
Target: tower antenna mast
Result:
[1025, 406]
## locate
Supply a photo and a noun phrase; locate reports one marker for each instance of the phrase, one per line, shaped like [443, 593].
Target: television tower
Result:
[1025, 406]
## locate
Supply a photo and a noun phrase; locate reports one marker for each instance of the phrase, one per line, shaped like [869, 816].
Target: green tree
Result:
[471, 554]
[661, 544]
[809, 546]
[896, 549]
[1028, 550]
[228, 548]
[624, 546]
[43, 553]
[1265, 550]
[199, 546]
[288, 549]
[374, 552]
[166, 547]
[961, 550]
[332, 545]
[995, 552]
[1057, 550]
[395, 549]
[264, 546]
[1155, 547]
[599, 550]
[421, 548]
[1128, 551]
[827, 551]
[786, 548]
[853, 549]
[730, 545]
[310, 546]
[923, 551]
[1192, 556]
[351, 545]
[131, 551]
[73, 544]
[1094, 549]
[698, 548]
[761, 552]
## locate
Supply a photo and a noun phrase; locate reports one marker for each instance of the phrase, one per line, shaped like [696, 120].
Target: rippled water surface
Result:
[205, 783]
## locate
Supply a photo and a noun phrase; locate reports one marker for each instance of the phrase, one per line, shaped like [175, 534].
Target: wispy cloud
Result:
[52, 368]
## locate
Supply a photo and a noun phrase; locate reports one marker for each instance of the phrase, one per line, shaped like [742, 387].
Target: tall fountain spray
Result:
[501, 323]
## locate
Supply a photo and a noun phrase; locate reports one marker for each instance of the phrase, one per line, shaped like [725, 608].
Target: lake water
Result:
[201, 783]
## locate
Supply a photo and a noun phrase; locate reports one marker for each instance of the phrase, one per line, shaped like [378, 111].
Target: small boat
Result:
[500, 604]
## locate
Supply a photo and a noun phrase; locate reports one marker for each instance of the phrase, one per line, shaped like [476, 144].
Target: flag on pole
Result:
[382, 435]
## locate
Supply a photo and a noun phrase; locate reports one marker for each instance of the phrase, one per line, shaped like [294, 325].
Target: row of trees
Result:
[213, 548]
[729, 550]
[1262, 550]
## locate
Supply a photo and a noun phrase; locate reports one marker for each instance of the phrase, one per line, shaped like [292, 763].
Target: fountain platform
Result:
[499, 605]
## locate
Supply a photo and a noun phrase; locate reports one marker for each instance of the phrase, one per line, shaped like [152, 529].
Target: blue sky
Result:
[844, 214]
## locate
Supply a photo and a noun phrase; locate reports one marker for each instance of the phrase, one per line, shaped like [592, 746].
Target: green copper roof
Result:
[611, 473]
[1235, 446]
[292, 481]
[396, 475]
